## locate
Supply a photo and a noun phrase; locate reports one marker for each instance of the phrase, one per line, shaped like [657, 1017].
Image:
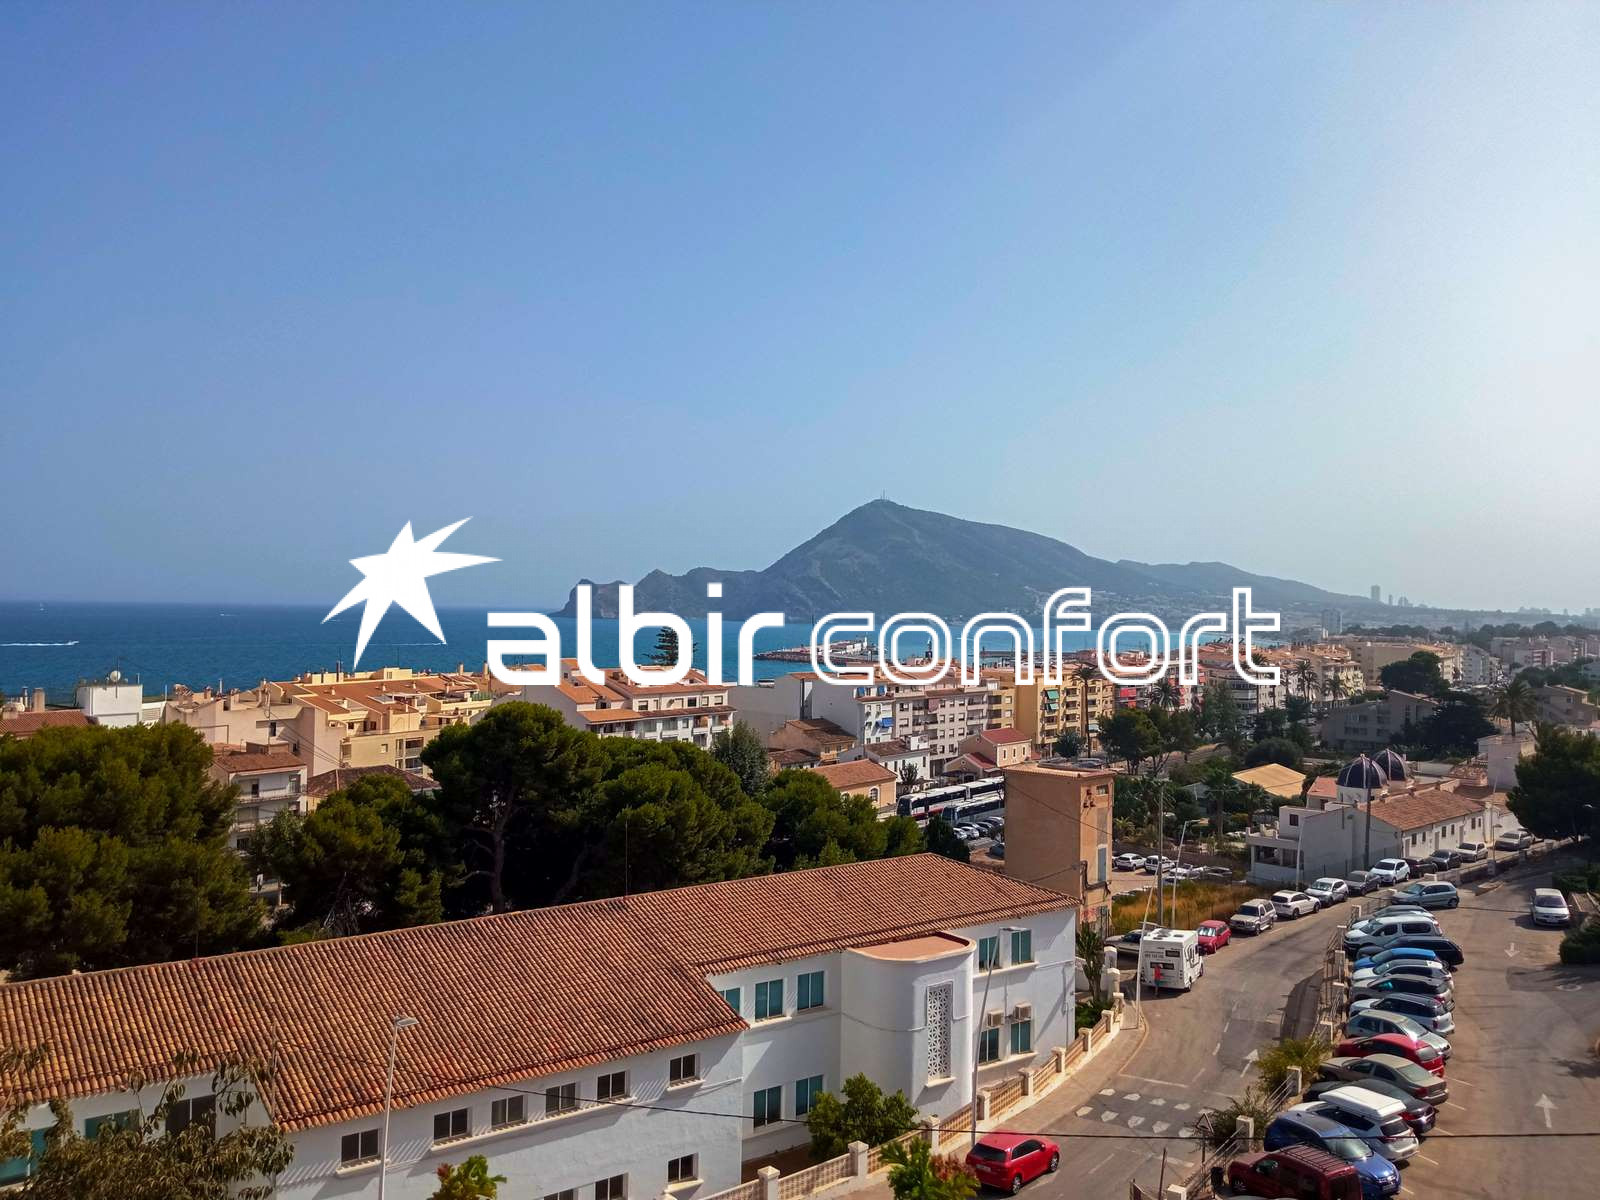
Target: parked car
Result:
[997, 849]
[1387, 872]
[1293, 904]
[1394, 954]
[1473, 851]
[1445, 950]
[1419, 1115]
[1390, 1070]
[1214, 935]
[1367, 1023]
[1550, 907]
[1128, 862]
[1394, 909]
[1378, 933]
[1402, 985]
[1359, 883]
[1424, 1010]
[1219, 874]
[1428, 971]
[1514, 841]
[1443, 860]
[1377, 1120]
[1009, 1160]
[1429, 894]
[1157, 861]
[1177, 873]
[1302, 1172]
[1378, 1176]
[1397, 1045]
[1329, 890]
[1254, 916]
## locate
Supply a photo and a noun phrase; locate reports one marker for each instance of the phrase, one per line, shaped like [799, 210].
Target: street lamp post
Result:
[977, 1040]
[399, 1023]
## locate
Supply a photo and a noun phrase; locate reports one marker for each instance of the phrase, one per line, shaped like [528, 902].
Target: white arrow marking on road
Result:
[1544, 1103]
[1249, 1060]
[1511, 950]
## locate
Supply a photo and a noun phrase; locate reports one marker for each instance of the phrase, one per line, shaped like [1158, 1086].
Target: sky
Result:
[1308, 288]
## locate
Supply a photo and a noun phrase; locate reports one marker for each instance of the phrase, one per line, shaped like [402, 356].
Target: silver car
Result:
[1550, 907]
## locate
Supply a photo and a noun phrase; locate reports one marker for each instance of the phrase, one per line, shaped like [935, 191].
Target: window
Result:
[683, 1069]
[611, 1086]
[255, 787]
[989, 1045]
[768, 1106]
[988, 952]
[15, 1170]
[116, 1120]
[731, 997]
[808, 991]
[615, 1188]
[452, 1124]
[185, 1113]
[938, 1024]
[513, 1110]
[769, 999]
[1022, 1036]
[563, 1097]
[681, 1170]
[1101, 863]
[1022, 945]
[358, 1147]
[806, 1092]
[569, 1194]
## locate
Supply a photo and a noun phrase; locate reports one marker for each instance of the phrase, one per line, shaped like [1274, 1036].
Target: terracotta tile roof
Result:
[500, 999]
[822, 731]
[1420, 809]
[332, 781]
[791, 758]
[26, 724]
[861, 773]
[1324, 787]
[1003, 736]
[254, 762]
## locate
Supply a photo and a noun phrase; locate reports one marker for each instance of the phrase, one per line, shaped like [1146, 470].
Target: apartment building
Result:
[818, 737]
[1058, 830]
[334, 719]
[1044, 710]
[1373, 724]
[270, 780]
[618, 1049]
[1565, 705]
[692, 710]
[989, 752]
[1479, 668]
[896, 754]
[1374, 654]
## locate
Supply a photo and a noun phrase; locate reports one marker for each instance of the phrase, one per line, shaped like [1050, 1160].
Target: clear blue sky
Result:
[1312, 288]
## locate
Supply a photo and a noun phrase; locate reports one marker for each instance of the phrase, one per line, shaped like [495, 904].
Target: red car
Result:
[1009, 1160]
[1397, 1044]
[1214, 935]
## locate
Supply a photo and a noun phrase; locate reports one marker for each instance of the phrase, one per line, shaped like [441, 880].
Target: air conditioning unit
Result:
[1022, 1012]
[993, 1019]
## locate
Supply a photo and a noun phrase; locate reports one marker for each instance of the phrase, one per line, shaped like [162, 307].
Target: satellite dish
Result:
[115, 677]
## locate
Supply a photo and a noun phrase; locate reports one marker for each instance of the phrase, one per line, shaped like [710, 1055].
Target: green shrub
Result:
[1578, 879]
[1307, 1053]
[1581, 946]
[864, 1114]
[1089, 1012]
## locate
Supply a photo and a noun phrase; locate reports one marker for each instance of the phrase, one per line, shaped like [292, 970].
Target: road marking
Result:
[1135, 1122]
[1462, 1082]
[1544, 1105]
[1108, 1091]
[1101, 1163]
[1225, 1025]
[1426, 1159]
[1249, 1060]
[1108, 1116]
[1182, 1106]
[1132, 1097]
[1160, 1127]
[1147, 1079]
[1157, 1101]
[1186, 1132]
[1511, 950]
[1569, 987]
[1216, 1050]
[1086, 1110]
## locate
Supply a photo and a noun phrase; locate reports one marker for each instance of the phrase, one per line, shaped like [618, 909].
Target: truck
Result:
[1170, 958]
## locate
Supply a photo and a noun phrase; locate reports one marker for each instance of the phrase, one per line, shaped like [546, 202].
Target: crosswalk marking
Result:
[1186, 1131]
[1132, 1097]
[1086, 1110]
[1108, 1116]
[1135, 1122]
[1160, 1127]
[1157, 1101]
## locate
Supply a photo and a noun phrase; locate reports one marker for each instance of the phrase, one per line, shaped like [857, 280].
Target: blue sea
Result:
[53, 646]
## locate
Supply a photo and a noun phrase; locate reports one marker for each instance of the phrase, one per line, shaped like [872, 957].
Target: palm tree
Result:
[1306, 676]
[1515, 703]
[1165, 693]
[1336, 687]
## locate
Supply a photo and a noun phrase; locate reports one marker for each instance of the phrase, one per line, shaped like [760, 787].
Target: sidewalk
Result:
[1043, 1115]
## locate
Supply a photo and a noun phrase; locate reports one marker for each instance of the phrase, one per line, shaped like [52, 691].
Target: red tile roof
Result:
[1003, 736]
[858, 774]
[499, 999]
[329, 782]
[26, 724]
[1418, 810]
[255, 762]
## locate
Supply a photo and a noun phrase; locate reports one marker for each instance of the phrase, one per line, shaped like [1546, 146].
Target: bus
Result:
[957, 802]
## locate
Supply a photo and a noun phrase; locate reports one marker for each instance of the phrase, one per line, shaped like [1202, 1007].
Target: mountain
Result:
[884, 558]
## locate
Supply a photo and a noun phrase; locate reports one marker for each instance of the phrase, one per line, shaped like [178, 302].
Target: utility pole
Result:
[1366, 778]
[1161, 857]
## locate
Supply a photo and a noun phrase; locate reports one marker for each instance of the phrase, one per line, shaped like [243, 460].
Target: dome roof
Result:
[1391, 764]
[1362, 773]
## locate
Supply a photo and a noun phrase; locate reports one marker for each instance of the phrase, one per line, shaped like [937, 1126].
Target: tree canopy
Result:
[860, 1113]
[114, 851]
[740, 750]
[1419, 674]
[1558, 785]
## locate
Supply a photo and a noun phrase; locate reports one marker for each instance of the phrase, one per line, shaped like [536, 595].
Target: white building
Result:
[117, 703]
[603, 1050]
[270, 780]
[693, 710]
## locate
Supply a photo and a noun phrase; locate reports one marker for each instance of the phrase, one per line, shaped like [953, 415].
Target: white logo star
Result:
[400, 577]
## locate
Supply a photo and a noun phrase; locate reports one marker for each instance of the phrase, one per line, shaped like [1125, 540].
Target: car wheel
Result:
[1055, 1161]
[1016, 1184]
[1454, 900]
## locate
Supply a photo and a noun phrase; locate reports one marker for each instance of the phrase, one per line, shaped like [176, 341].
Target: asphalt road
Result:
[1527, 1033]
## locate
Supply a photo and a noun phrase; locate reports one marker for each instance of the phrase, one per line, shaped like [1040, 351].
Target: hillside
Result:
[884, 557]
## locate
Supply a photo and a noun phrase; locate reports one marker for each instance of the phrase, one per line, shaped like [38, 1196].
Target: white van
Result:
[1170, 958]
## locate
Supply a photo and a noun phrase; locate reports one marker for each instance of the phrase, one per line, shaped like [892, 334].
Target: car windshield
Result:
[1351, 1149]
[1549, 902]
[988, 1153]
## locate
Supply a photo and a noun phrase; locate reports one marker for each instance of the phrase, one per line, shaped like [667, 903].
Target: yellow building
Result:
[1044, 711]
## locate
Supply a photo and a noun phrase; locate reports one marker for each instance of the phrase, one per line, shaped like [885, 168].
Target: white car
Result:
[1128, 862]
[1293, 904]
[1550, 907]
[1329, 890]
[1387, 872]
[1156, 861]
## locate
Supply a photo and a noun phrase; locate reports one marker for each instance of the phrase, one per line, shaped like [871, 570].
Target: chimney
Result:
[38, 700]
